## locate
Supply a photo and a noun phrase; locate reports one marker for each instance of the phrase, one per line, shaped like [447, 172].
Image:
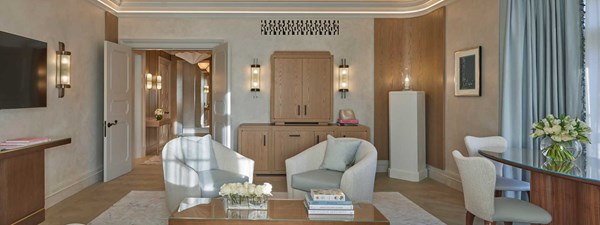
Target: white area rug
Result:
[148, 208]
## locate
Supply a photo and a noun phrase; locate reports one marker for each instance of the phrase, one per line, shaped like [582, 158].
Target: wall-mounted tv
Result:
[23, 72]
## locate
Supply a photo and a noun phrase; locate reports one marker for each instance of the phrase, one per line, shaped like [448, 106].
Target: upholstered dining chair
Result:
[303, 172]
[474, 144]
[199, 166]
[477, 175]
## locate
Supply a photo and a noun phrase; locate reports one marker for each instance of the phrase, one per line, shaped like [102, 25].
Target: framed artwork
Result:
[467, 72]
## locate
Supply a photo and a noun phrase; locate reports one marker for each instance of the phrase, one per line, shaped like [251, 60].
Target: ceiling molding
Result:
[285, 8]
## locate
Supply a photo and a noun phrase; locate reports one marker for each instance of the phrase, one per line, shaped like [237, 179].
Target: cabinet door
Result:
[290, 143]
[254, 144]
[355, 134]
[317, 89]
[287, 89]
[322, 135]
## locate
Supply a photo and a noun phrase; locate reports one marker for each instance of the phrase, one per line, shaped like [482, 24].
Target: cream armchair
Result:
[357, 182]
[183, 181]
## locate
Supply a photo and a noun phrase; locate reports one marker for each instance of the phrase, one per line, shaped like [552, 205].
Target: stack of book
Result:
[328, 204]
[20, 142]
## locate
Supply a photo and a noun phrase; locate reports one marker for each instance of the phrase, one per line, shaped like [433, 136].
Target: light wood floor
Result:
[439, 200]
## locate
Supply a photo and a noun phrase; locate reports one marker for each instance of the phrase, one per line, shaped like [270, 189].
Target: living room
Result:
[376, 43]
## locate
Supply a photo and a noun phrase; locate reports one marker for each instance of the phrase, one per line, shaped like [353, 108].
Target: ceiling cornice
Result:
[287, 8]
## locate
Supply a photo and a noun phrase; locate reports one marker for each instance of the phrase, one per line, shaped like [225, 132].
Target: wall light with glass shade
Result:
[63, 69]
[406, 79]
[149, 79]
[255, 78]
[158, 82]
[344, 78]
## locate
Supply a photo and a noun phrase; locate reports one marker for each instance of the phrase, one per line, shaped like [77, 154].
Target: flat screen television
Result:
[23, 72]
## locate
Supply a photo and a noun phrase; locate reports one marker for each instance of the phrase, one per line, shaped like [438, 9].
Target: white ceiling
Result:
[375, 8]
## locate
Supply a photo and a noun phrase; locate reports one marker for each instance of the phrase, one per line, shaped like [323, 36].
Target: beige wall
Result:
[355, 43]
[78, 115]
[471, 23]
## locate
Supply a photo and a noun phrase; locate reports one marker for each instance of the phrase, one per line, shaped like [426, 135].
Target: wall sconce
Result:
[158, 82]
[205, 89]
[255, 78]
[63, 69]
[149, 82]
[406, 79]
[344, 76]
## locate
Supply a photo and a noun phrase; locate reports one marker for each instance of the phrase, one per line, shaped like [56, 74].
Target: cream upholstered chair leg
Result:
[477, 175]
[470, 218]
[502, 184]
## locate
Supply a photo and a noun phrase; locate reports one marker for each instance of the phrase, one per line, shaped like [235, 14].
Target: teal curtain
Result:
[541, 67]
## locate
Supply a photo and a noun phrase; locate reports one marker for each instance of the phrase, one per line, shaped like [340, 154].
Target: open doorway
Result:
[176, 97]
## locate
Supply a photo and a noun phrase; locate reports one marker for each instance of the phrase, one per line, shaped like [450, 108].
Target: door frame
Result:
[165, 44]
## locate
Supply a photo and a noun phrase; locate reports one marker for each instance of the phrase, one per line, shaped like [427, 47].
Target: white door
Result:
[220, 95]
[118, 110]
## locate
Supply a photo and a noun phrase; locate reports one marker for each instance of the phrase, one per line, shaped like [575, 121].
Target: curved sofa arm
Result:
[232, 161]
[181, 181]
[309, 159]
[358, 181]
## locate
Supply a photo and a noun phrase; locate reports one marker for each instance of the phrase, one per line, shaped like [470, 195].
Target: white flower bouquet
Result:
[559, 135]
[246, 195]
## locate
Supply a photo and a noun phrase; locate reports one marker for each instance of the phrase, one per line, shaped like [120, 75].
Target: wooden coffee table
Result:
[281, 212]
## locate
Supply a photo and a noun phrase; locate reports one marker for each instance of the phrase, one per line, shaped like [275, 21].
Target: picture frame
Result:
[467, 72]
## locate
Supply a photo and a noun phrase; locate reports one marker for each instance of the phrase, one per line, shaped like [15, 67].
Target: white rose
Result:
[556, 138]
[251, 189]
[225, 190]
[267, 189]
[259, 190]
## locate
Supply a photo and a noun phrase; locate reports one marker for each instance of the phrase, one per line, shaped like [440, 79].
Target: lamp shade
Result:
[63, 69]
[255, 76]
[344, 78]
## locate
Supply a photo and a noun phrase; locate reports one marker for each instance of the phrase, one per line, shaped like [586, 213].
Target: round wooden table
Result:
[569, 192]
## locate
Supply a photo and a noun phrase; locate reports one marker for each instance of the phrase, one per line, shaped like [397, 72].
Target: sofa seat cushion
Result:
[212, 180]
[322, 178]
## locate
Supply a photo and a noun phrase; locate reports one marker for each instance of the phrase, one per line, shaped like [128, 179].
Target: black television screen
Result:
[22, 72]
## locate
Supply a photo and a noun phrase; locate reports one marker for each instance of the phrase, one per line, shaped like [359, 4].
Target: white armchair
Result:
[182, 181]
[357, 182]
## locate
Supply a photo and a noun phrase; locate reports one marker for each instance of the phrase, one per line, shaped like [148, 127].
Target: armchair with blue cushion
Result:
[305, 171]
[198, 167]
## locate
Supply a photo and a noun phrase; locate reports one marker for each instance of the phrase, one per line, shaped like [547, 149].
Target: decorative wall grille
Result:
[300, 27]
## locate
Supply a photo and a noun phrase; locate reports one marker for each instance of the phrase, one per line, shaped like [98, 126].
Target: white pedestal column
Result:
[407, 135]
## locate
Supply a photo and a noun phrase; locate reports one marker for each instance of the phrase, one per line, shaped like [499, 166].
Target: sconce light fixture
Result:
[158, 82]
[406, 79]
[344, 78]
[63, 69]
[205, 89]
[255, 78]
[149, 82]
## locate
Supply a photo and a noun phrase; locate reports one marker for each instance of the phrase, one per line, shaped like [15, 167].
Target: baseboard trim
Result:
[382, 166]
[449, 179]
[80, 184]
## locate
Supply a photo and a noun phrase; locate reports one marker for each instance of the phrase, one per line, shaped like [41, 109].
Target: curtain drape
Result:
[592, 56]
[541, 68]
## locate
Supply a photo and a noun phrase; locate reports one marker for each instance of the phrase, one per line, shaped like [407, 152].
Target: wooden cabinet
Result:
[254, 143]
[269, 145]
[302, 84]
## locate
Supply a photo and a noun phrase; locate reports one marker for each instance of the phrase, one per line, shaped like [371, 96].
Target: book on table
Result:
[331, 217]
[328, 211]
[327, 195]
[312, 204]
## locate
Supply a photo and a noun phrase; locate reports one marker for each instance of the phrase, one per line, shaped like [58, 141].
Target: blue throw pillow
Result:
[339, 154]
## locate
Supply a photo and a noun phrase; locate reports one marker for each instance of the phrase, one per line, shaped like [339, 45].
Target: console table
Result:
[22, 187]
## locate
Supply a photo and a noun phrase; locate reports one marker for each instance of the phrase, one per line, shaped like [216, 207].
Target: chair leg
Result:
[508, 223]
[469, 219]
[528, 196]
[497, 193]
[489, 223]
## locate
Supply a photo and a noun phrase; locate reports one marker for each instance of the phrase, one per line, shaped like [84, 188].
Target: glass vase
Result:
[560, 151]
[246, 202]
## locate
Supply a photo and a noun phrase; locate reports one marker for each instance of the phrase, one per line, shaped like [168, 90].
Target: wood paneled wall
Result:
[111, 27]
[417, 43]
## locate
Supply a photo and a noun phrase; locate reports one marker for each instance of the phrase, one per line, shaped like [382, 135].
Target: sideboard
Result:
[22, 183]
[270, 145]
